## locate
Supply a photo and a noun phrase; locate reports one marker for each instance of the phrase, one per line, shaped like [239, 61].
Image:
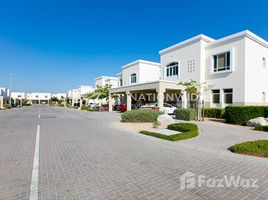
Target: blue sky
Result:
[53, 46]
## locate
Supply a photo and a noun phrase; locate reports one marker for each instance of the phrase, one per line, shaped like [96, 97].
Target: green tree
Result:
[197, 89]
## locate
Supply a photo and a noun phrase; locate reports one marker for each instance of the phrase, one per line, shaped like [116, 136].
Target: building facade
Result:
[234, 67]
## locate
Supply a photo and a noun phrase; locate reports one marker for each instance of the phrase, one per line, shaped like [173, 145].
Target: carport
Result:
[157, 91]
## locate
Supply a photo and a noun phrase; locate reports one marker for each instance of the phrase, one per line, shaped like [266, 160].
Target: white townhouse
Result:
[234, 66]
[4, 95]
[106, 80]
[38, 97]
[60, 96]
[78, 94]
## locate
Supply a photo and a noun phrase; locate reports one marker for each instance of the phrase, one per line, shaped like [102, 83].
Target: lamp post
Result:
[10, 87]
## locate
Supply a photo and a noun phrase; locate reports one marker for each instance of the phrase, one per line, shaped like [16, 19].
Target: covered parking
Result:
[159, 92]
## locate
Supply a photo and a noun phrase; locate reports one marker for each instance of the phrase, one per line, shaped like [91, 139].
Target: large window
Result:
[221, 62]
[133, 78]
[216, 96]
[172, 69]
[228, 96]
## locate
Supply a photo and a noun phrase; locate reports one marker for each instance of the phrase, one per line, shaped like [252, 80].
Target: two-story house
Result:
[235, 67]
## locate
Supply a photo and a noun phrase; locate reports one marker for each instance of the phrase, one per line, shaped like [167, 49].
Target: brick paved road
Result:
[83, 157]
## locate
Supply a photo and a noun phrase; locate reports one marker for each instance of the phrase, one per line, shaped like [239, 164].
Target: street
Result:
[81, 156]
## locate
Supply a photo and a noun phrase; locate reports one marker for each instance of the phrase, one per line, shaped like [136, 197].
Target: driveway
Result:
[81, 156]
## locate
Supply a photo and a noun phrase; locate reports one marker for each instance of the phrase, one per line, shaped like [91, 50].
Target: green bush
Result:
[93, 109]
[187, 131]
[261, 128]
[241, 114]
[84, 108]
[187, 114]
[140, 115]
[256, 148]
[214, 112]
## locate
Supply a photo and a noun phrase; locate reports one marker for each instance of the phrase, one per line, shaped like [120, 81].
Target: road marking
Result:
[39, 114]
[35, 171]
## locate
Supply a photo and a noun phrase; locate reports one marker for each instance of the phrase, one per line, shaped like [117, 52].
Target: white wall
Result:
[256, 74]
[40, 96]
[227, 80]
[104, 80]
[18, 95]
[146, 72]
[184, 56]
[60, 95]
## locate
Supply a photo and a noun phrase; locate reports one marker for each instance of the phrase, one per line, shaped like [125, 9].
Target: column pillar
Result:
[110, 102]
[1, 102]
[160, 98]
[221, 98]
[128, 94]
[184, 99]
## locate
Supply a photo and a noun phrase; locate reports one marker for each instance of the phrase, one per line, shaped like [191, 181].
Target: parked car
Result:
[123, 108]
[169, 109]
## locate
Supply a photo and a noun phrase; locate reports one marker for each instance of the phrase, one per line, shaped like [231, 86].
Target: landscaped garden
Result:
[255, 148]
[185, 131]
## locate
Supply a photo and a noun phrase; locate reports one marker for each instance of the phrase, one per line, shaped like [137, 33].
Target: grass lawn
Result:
[187, 131]
[254, 148]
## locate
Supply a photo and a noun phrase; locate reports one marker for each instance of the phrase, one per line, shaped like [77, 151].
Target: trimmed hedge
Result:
[214, 112]
[261, 128]
[188, 131]
[141, 115]
[255, 148]
[241, 114]
[84, 108]
[187, 114]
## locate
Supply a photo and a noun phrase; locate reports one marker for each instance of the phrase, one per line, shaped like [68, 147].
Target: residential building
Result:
[235, 67]
[106, 80]
[38, 97]
[59, 96]
[78, 94]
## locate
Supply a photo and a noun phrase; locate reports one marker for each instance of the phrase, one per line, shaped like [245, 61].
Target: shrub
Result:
[92, 109]
[241, 114]
[213, 112]
[261, 128]
[256, 148]
[84, 108]
[140, 115]
[186, 114]
[187, 131]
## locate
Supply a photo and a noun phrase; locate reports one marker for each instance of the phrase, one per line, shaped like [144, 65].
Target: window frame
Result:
[228, 93]
[226, 69]
[212, 96]
[132, 76]
[172, 69]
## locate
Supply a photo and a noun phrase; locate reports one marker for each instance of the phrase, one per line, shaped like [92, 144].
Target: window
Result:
[228, 96]
[215, 96]
[45, 96]
[133, 78]
[120, 82]
[19, 96]
[264, 62]
[264, 97]
[36, 96]
[172, 69]
[221, 62]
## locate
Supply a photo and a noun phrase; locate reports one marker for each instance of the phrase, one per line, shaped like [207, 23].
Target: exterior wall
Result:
[18, 95]
[227, 80]
[60, 95]
[184, 56]
[256, 73]
[146, 72]
[126, 72]
[104, 80]
[40, 96]
[149, 73]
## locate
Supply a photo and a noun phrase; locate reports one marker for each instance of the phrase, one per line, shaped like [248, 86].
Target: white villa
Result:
[107, 80]
[234, 66]
[76, 95]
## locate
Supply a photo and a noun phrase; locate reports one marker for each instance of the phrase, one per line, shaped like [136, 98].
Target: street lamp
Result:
[10, 87]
